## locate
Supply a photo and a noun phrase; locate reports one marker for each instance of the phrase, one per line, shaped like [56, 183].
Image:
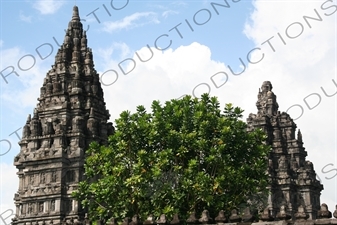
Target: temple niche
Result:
[292, 179]
[54, 140]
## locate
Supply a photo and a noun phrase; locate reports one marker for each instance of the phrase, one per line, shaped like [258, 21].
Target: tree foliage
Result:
[182, 157]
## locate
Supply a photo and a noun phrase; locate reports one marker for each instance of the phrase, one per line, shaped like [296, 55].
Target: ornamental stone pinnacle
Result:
[292, 179]
[70, 114]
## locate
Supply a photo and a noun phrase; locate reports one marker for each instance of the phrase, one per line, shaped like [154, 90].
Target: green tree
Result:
[182, 157]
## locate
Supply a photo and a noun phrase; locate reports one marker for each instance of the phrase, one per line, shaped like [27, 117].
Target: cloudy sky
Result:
[148, 50]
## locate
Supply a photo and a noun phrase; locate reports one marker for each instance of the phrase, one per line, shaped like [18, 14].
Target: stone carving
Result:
[221, 218]
[192, 219]
[43, 178]
[48, 128]
[41, 207]
[234, 218]
[30, 208]
[324, 212]
[266, 103]
[92, 123]
[26, 129]
[283, 215]
[286, 168]
[53, 176]
[52, 205]
[77, 124]
[63, 122]
[35, 125]
[282, 163]
[205, 218]
[247, 215]
[301, 214]
[31, 179]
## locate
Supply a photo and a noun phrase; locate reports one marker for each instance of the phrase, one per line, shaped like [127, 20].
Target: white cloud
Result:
[297, 69]
[166, 13]
[23, 86]
[135, 20]
[48, 6]
[27, 19]
[165, 76]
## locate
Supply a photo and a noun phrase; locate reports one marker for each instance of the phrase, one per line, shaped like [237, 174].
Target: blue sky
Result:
[299, 58]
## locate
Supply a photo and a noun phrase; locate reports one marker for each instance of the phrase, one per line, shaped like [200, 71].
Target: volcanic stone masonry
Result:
[70, 114]
[292, 179]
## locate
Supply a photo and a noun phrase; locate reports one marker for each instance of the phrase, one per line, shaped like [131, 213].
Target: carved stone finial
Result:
[76, 16]
[175, 220]
[135, 220]
[126, 221]
[205, 218]
[324, 212]
[299, 136]
[86, 220]
[234, 218]
[266, 103]
[221, 218]
[192, 219]
[150, 220]
[162, 219]
[84, 41]
[301, 214]
[283, 215]
[266, 215]
[247, 215]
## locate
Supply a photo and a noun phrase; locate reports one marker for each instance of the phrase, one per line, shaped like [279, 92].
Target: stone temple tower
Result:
[70, 114]
[292, 179]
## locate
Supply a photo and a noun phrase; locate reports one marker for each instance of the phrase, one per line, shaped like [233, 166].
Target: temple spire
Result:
[76, 16]
[290, 174]
[70, 114]
[266, 104]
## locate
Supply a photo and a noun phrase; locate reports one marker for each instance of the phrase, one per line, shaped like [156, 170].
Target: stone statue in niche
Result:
[41, 207]
[56, 85]
[88, 104]
[48, 128]
[58, 127]
[30, 208]
[77, 124]
[43, 178]
[52, 205]
[282, 163]
[53, 176]
[35, 127]
[31, 179]
[46, 143]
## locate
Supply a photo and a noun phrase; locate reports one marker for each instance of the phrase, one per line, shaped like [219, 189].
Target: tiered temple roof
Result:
[292, 179]
[70, 114]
